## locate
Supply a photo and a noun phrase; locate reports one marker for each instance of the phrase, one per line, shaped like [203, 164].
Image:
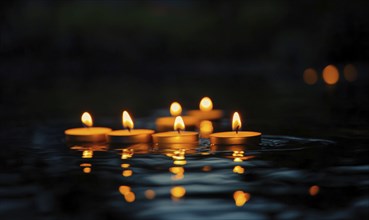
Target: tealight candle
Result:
[235, 137]
[166, 123]
[88, 133]
[206, 111]
[130, 135]
[179, 136]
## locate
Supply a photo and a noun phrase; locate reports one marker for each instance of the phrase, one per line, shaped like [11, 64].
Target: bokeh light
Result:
[310, 76]
[350, 72]
[330, 75]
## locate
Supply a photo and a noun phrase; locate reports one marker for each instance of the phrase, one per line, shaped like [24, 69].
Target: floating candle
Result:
[236, 137]
[88, 133]
[130, 135]
[179, 136]
[206, 111]
[166, 123]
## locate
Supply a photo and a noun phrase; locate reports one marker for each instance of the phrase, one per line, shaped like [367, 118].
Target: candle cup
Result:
[233, 138]
[130, 137]
[173, 137]
[166, 123]
[87, 135]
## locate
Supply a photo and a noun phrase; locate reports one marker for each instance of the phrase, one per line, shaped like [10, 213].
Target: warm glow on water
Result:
[206, 104]
[87, 170]
[124, 165]
[238, 155]
[150, 194]
[127, 120]
[314, 190]
[127, 153]
[87, 154]
[130, 197]
[206, 168]
[238, 169]
[178, 171]
[310, 76]
[86, 119]
[330, 75]
[127, 173]
[350, 72]
[175, 109]
[178, 192]
[240, 198]
[124, 189]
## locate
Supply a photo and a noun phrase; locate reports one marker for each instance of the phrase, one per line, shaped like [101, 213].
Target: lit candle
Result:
[129, 135]
[206, 111]
[88, 133]
[236, 136]
[178, 136]
[166, 123]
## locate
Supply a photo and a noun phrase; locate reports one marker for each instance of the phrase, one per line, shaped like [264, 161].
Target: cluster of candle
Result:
[178, 135]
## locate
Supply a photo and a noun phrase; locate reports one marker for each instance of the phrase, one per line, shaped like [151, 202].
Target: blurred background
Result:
[263, 58]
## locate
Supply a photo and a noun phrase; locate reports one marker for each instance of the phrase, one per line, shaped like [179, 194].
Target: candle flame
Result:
[236, 122]
[86, 119]
[206, 104]
[175, 109]
[179, 124]
[127, 120]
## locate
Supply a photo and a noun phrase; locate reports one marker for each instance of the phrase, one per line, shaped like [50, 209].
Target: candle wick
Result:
[129, 129]
[238, 127]
[179, 131]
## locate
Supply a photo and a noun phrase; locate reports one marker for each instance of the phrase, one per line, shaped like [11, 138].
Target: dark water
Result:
[284, 178]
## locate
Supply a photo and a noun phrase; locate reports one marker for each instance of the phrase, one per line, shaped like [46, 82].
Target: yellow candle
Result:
[179, 136]
[87, 134]
[206, 111]
[130, 135]
[236, 137]
[166, 123]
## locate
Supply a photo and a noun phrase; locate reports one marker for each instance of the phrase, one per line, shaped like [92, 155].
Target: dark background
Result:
[60, 58]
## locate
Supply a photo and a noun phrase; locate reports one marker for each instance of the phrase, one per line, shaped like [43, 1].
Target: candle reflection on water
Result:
[128, 195]
[126, 154]
[240, 197]
[177, 192]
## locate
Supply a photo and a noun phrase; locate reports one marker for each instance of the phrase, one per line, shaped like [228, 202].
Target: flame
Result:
[175, 109]
[87, 119]
[206, 104]
[179, 124]
[127, 120]
[236, 121]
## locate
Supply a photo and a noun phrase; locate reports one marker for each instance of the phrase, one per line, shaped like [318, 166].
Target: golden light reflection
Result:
[86, 119]
[175, 109]
[240, 198]
[178, 172]
[206, 168]
[87, 154]
[127, 153]
[124, 165]
[206, 104]
[129, 196]
[127, 173]
[236, 122]
[178, 192]
[150, 194]
[238, 169]
[238, 155]
[179, 124]
[330, 75]
[127, 120]
[86, 167]
[350, 72]
[206, 128]
[310, 76]
[314, 190]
